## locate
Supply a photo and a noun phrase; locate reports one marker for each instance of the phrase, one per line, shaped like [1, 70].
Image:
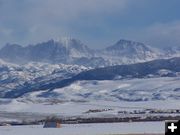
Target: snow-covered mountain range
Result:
[57, 64]
[17, 81]
[73, 51]
[63, 51]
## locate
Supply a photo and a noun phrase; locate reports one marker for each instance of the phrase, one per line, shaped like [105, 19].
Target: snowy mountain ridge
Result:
[33, 74]
[129, 52]
[73, 51]
[17, 81]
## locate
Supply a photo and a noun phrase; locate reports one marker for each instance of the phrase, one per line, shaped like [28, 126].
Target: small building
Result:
[52, 124]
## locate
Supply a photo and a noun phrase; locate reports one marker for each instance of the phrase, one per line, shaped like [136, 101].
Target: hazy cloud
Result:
[95, 22]
[26, 21]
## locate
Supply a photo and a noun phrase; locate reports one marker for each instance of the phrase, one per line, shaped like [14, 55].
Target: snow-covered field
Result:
[147, 89]
[70, 108]
[18, 111]
[88, 129]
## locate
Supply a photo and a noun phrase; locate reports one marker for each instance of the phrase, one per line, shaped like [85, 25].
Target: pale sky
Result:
[97, 23]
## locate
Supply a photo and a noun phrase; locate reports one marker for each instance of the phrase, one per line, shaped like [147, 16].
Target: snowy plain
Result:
[145, 89]
[157, 93]
[88, 129]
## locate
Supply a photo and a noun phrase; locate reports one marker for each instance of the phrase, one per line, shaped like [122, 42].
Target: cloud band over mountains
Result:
[96, 22]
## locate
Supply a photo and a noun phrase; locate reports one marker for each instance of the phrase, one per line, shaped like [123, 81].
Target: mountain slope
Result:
[61, 78]
[126, 52]
[33, 75]
[119, 90]
[156, 68]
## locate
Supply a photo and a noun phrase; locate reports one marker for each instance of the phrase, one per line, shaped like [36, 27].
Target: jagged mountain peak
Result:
[67, 42]
[128, 44]
[70, 45]
[127, 51]
[73, 51]
[63, 50]
[129, 48]
[123, 41]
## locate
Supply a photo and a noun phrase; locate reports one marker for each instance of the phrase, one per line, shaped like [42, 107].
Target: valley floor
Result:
[147, 98]
[88, 129]
[126, 111]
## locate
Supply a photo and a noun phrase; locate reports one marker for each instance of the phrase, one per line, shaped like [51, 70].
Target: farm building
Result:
[52, 124]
